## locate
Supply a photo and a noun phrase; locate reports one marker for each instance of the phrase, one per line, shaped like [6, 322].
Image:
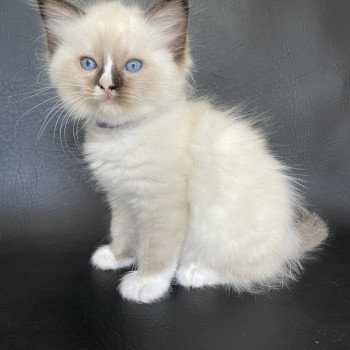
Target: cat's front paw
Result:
[104, 259]
[144, 289]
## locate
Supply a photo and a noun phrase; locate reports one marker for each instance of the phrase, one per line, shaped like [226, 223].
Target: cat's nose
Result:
[107, 87]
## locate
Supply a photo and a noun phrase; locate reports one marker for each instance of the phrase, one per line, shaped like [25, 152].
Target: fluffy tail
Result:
[313, 229]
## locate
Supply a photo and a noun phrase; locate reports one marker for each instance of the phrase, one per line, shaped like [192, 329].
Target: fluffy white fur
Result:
[194, 192]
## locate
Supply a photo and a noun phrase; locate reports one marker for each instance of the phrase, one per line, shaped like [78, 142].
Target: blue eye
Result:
[88, 63]
[134, 66]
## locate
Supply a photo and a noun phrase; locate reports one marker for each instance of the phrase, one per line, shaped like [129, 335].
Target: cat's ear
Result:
[171, 17]
[56, 15]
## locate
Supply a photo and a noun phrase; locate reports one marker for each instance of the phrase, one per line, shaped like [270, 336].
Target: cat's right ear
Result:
[57, 15]
[171, 17]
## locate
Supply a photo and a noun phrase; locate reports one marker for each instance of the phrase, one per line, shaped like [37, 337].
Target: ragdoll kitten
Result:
[194, 192]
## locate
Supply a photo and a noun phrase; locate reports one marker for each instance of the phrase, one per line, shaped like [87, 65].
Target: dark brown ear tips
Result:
[186, 6]
[54, 13]
[172, 16]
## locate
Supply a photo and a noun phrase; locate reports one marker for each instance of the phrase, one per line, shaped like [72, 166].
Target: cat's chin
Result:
[109, 106]
[109, 109]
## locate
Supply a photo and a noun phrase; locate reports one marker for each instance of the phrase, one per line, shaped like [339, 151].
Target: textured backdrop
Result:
[287, 60]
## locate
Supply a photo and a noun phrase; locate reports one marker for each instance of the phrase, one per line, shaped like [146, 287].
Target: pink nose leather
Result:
[106, 83]
[107, 86]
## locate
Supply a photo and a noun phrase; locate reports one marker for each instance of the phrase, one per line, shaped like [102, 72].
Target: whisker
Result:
[61, 126]
[55, 110]
[65, 122]
[59, 117]
[26, 113]
[60, 105]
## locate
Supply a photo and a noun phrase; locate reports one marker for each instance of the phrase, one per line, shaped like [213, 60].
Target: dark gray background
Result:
[287, 60]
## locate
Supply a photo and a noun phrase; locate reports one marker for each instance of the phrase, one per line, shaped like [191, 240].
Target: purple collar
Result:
[104, 125]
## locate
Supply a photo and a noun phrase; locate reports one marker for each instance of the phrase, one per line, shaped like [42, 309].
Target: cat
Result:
[195, 193]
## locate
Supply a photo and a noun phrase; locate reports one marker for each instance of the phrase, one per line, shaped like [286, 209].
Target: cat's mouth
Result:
[107, 99]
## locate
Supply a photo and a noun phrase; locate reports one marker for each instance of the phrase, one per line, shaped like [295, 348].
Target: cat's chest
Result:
[112, 161]
[123, 164]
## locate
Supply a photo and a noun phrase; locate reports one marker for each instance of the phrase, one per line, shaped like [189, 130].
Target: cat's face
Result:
[115, 63]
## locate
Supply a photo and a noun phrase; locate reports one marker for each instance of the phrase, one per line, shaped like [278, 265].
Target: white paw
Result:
[144, 289]
[104, 259]
[195, 276]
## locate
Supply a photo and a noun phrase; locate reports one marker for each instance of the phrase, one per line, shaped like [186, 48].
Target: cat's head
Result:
[114, 62]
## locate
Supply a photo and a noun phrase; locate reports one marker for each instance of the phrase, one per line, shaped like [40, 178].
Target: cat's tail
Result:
[314, 231]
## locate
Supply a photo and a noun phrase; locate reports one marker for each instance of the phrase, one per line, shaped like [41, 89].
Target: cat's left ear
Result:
[57, 15]
[171, 17]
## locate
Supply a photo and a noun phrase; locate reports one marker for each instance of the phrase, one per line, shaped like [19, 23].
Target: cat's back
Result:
[227, 135]
[232, 158]
[234, 176]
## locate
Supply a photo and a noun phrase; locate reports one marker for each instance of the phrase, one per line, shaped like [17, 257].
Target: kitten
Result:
[194, 192]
